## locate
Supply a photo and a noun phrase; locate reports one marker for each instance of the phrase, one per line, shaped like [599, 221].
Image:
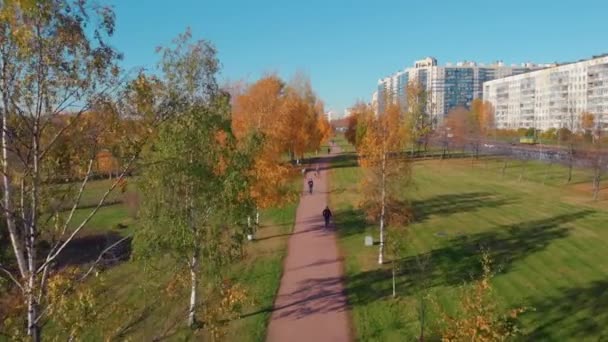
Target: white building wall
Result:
[551, 98]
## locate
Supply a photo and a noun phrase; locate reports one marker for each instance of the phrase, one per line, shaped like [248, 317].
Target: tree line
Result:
[206, 158]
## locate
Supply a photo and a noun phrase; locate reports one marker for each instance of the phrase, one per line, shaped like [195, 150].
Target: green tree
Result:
[195, 188]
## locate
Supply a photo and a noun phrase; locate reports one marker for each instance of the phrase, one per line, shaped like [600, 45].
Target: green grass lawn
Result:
[547, 240]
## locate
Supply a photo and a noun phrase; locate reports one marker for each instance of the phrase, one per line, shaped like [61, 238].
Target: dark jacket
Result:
[326, 213]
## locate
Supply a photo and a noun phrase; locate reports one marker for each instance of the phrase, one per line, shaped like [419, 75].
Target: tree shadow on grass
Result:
[455, 203]
[343, 160]
[353, 221]
[350, 222]
[459, 260]
[86, 249]
[579, 312]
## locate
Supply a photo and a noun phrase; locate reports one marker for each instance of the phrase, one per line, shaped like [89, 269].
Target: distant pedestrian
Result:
[310, 184]
[329, 150]
[317, 171]
[326, 216]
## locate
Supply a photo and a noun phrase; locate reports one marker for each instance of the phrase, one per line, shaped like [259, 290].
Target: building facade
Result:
[446, 86]
[554, 97]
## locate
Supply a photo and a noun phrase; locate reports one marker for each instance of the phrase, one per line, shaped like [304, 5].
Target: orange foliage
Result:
[384, 134]
[587, 121]
[258, 108]
[456, 124]
[106, 163]
[482, 118]
[479, 317]
[289, 119]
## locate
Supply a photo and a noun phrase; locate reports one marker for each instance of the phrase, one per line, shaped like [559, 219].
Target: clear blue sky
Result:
[346, 46]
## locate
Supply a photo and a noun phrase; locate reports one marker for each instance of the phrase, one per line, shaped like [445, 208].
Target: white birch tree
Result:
[194, 185]
[55, 67]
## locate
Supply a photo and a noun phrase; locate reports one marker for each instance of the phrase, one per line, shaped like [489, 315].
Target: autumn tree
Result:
[56, 67]
[258, 125]
[283, 119]
[301, 113]
[587, 124]
[418, 119]
[351, 129]
[480, 123]
[324, 129]
[360, 118]
[592, 131]
[387, 171]
[478, 316]
[454, 127]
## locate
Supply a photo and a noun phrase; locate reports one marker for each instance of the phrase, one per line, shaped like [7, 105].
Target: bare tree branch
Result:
[86, 274]
[75, 206]
[11, 277]
[101, 256]
[53, 256]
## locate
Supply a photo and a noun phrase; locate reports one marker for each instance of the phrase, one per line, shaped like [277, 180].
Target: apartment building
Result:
[553, 97]
[447, 86]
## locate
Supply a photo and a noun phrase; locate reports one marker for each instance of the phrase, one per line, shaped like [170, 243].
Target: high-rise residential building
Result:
[552, 98]
[446, 86]
[374, 103]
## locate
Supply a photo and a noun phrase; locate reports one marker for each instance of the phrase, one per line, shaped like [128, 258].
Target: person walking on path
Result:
[310, 184]
[326, 216]
[311, 303]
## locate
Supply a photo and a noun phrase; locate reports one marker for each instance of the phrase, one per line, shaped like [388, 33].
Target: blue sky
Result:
[346, 46]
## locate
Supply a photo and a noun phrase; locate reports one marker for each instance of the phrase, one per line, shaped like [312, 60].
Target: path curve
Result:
[311, 303]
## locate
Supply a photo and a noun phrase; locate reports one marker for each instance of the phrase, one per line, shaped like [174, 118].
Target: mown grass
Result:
[547, 239]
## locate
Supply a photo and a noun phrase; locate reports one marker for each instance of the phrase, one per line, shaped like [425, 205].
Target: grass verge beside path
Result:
[260, 273]
[548, 242]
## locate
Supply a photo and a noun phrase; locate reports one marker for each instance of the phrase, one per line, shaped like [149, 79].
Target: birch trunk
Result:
[597, 177]
[32, 304]
[16, 240]
[394, 287]
[193, 290]
[382, 209]
[570, 161]
[33, 330]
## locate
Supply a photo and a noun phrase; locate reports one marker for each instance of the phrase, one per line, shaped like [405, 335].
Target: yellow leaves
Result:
[587, 121]
[479, 318]
[178, 283]
[481, 120]
[225, 305]
[258, 107]
[72, 304]
[289, 121]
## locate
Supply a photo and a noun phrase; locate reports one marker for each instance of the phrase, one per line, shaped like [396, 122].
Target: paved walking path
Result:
[311, 304]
